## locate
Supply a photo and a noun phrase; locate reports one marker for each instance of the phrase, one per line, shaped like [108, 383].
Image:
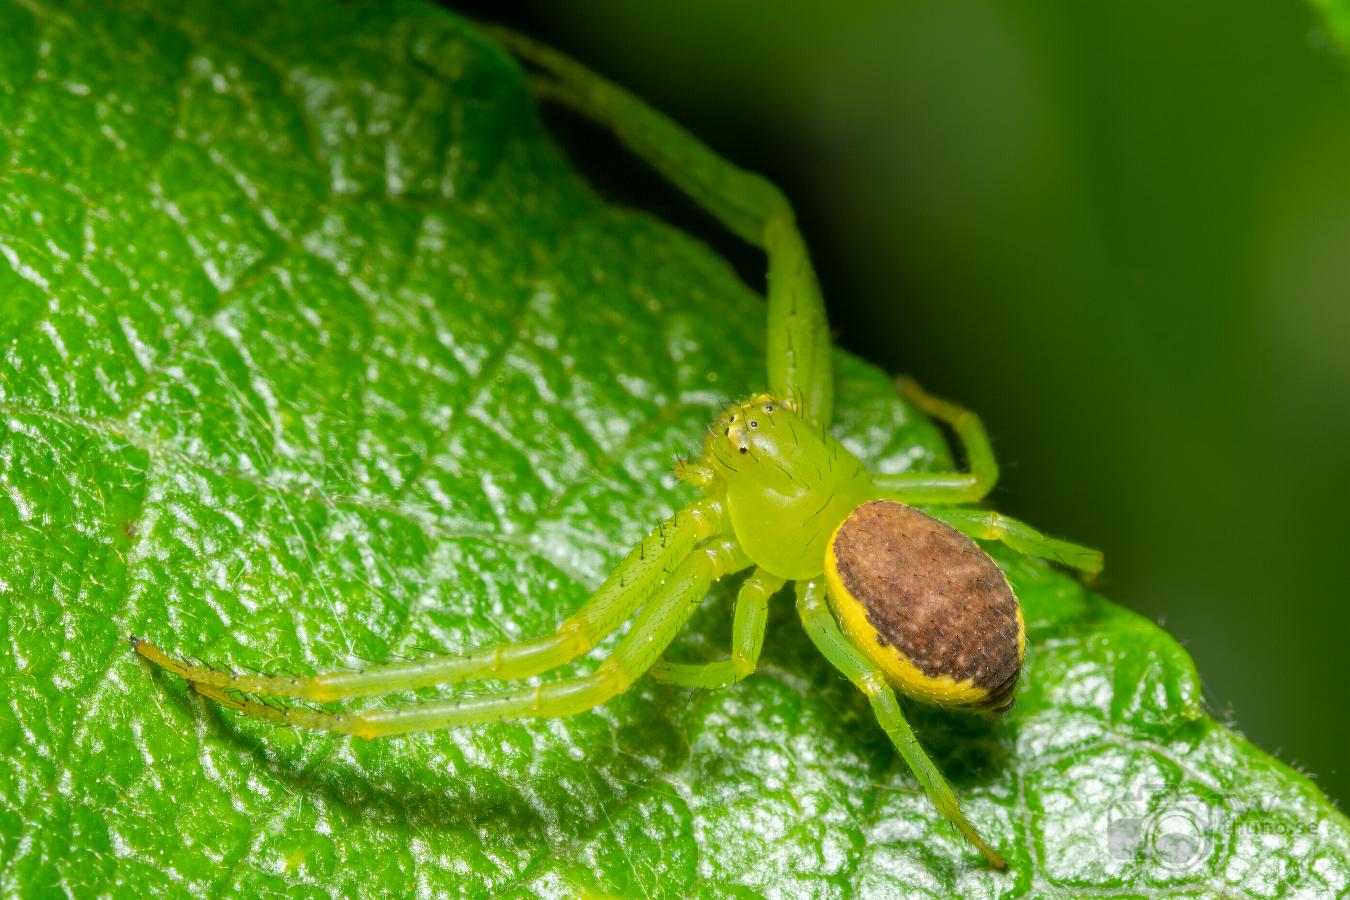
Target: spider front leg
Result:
[749, 205]
[654, 628]
[824, 632]
[985, 525]
[614, 601]
[747, 639]
[945, 487]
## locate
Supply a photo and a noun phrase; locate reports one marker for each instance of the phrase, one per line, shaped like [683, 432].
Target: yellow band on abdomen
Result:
[856, 620]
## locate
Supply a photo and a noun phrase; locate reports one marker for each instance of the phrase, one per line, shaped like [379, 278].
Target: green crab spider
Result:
[896, 598]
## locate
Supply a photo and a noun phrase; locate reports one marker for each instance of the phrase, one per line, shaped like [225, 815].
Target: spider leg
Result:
[653, 630]
[748, 204]
[945, 487]
[631, 582]
[694, 473]
[824, 632]
[985, 525]
[747, 639]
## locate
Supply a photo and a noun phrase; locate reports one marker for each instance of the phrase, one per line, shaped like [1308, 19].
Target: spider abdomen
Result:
[927, 606]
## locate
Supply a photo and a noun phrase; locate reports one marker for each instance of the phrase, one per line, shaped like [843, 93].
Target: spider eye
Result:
[745, 449]
[768, 407]
[754, 424]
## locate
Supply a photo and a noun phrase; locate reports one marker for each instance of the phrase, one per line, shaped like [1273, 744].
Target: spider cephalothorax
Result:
[787, 484]
[895, 596]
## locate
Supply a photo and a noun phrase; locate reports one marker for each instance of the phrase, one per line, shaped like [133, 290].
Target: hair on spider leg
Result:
[263, 700]
[420, 651]
[361, 660]
[247, 669]
[202, 662]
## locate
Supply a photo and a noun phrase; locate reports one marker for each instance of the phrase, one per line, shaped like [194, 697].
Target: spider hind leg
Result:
[985, 525]
[824, 632]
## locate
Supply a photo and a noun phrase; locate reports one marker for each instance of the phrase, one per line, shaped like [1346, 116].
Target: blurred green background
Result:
[1120, 231]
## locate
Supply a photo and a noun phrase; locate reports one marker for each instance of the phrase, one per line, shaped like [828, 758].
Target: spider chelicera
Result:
[895, 597]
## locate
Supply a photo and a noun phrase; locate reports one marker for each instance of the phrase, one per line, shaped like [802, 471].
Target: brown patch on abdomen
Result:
[933, 594]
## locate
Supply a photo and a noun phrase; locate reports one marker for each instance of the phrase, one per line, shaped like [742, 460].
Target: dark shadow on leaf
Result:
[488, 802]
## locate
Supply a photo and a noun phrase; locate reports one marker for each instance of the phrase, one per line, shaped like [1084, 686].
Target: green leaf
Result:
[316, 351]
[1336, 14]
